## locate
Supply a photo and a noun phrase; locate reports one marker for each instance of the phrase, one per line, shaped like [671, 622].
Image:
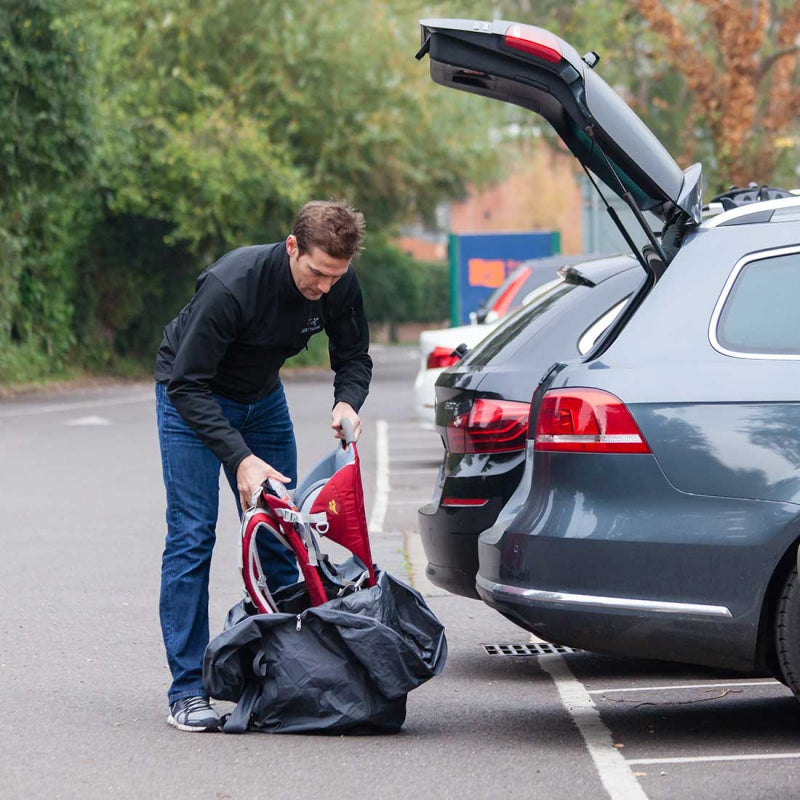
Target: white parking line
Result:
[727, 685]
[707, 759]
[614, 771]
[382, 488]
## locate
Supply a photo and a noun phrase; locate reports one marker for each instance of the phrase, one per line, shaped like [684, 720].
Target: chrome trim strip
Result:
[589, 438]
[726, 290]
[751, 208]
[532, 596]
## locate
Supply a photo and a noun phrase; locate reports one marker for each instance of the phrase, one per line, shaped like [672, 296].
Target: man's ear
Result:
[291, 245]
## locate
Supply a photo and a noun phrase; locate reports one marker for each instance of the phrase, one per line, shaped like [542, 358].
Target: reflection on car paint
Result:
[749, 450]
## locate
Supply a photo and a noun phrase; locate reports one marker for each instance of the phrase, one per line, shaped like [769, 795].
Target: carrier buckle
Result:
[295, 517]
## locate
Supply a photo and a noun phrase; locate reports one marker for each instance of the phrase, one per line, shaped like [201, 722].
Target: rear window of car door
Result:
[758, 311]
[517, 322]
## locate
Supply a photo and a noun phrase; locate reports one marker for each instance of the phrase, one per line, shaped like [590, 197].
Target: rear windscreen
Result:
[519, 321]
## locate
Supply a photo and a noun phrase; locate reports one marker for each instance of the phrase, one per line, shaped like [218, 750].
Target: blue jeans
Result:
[191, 478]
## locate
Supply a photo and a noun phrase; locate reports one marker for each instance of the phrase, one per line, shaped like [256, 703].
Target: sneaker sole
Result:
[191, 728]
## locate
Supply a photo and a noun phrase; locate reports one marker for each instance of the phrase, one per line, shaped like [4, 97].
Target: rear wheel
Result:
[787, 632]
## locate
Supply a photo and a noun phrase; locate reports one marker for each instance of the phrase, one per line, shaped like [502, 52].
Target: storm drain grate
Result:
[532, 649]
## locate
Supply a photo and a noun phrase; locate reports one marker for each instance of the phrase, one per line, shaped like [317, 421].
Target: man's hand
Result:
[250, 474]
[345, 411]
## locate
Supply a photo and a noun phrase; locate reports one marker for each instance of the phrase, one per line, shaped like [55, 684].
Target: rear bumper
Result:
[607, 556]
[450, 534]
[450, 540]
[455, 580]
[634, 627]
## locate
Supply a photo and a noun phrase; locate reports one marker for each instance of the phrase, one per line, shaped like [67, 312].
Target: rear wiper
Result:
[460, 351]
[575, 277]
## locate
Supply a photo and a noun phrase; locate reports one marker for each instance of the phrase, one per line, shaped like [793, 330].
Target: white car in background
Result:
[436, 354]
[436, 347]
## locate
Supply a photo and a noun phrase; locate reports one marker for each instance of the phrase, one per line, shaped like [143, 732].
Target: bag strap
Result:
[238, 720]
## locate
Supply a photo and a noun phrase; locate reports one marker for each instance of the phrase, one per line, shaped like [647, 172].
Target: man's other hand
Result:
[345, 411]
[250, 474]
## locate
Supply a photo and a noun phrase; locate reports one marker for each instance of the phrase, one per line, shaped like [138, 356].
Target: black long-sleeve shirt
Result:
[244, 320]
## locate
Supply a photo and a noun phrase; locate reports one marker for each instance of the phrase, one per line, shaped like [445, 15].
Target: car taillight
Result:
[490, 426]
[586, 421]
[534, 41]
[441, 357]
[501, 305]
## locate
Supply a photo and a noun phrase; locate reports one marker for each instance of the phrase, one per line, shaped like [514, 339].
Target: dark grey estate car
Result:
[664, 513]
[663, 516]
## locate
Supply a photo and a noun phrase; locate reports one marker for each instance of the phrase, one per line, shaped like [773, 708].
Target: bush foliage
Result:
[399, 288]
[140, 142]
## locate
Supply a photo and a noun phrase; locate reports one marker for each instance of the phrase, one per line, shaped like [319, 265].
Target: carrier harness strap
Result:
[308, 541]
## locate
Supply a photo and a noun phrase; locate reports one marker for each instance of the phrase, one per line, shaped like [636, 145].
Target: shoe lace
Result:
[196, 704]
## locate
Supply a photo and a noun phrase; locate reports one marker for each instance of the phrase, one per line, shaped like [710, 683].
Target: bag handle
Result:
[348, 431]
[238, 720]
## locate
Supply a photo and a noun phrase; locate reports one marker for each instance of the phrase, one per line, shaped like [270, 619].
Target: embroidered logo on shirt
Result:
[332, 507]
[312, 326]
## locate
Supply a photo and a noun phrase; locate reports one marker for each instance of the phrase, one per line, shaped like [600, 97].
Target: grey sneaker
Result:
[193, 714]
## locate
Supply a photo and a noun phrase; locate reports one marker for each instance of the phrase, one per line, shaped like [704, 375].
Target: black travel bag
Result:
[345, 666]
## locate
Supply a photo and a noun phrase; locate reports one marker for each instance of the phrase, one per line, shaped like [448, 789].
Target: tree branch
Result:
[769, 62]
[683, 53]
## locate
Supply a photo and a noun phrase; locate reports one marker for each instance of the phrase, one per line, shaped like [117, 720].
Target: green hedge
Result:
[399, 288]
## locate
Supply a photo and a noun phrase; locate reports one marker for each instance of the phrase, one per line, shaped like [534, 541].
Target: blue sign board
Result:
[480, 262]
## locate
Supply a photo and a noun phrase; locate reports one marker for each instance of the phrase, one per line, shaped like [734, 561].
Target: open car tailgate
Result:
[533, 68]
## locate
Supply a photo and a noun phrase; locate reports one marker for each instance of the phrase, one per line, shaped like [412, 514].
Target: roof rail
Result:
[781, 210]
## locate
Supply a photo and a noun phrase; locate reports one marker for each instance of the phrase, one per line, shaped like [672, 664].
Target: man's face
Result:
[314, 272]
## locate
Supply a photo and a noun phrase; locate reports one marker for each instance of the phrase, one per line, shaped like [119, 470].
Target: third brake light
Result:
[534, 41]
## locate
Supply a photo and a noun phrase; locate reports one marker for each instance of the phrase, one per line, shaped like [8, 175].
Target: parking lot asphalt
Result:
[83, 675]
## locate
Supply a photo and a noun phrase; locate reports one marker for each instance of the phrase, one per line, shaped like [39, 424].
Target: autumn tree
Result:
[740, 62]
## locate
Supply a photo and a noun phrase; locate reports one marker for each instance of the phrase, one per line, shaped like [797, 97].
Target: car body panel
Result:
[743, 450]
[663, 339]
[450, 535]
[703, 442]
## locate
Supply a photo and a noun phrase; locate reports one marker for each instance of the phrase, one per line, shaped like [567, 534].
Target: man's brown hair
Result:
[331, 225]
